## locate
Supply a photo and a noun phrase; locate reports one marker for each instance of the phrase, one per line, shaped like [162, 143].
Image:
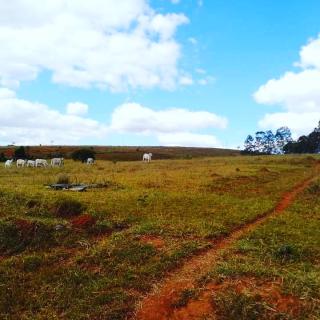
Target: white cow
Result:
[41, 163]
[21, 163]
[147, 157]
[90, 161]
[57, 162]
[8, 163]
[31, 163]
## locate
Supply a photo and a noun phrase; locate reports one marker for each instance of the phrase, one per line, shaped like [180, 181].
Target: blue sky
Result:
[234, 67]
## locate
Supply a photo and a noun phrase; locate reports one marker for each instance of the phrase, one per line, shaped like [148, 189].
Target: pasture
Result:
[98, 254]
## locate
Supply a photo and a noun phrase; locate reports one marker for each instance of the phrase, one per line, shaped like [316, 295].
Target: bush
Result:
[3, 158]
[67, 207]
[20, 153]
[82, 155]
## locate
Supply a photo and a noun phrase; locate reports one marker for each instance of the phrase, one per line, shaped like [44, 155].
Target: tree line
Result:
[280, 142]
[267, 142]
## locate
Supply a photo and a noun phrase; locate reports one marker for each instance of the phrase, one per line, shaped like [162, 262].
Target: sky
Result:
[200, 73]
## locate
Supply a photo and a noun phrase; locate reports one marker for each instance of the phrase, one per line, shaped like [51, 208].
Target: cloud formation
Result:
[89, 43]
[133, 117]
[170, 126]
[30, 123]
[296, 92]
[26, 122]
[77, 108]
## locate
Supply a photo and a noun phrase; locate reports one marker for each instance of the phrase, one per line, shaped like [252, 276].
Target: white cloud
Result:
[28, 122]
[299, 123]
[170, 126]
[187, 139]
[132, 117]
[89, 43]
[310, 54]
[77, 108]
[298, 93]
[175, 1]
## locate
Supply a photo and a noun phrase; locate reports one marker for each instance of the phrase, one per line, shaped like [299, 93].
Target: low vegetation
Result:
[95, 254]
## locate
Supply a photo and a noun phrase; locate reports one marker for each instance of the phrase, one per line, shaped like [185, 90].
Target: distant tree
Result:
[260, 141]
[3, 158]
[266, 142]
[83, 154]
[283, 136]
[269, 146]
[249, 144]
[20, 153]
[305, 144]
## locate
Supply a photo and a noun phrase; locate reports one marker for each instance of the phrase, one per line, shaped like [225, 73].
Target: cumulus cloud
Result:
[77, 108]
[27, 122]
[298, 93]
[170, 126]
[299, 123]
[132, 117]
[89, 43]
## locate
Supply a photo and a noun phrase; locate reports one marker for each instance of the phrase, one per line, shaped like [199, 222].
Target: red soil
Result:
[84, 221]
[155, 241]
[158, 305]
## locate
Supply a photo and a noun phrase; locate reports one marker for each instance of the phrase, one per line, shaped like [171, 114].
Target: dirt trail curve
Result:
[158, 304]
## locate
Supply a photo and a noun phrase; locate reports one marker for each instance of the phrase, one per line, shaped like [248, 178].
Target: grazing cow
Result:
[57, 162]
[147, 157]
[31, 163]
[90, 161]
[21, 163]
[41, 163]
[8, 163]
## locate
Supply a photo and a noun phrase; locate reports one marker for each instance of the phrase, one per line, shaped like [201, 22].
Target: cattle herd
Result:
[55, 162]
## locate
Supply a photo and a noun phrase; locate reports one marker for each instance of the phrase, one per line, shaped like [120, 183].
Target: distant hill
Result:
[115, 153]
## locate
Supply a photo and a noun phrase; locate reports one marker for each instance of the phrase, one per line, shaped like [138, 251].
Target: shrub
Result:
[67, 207]
[82, 155]
[20, 153]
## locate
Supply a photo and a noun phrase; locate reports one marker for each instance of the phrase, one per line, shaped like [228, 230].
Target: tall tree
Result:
[249, 144]
[260, 141]
[283, 136]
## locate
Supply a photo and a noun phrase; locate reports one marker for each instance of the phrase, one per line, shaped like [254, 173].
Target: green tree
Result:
[3, 158]
[20, 153]
[82, 155]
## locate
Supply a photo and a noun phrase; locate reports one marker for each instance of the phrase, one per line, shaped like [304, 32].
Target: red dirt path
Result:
[158, 305]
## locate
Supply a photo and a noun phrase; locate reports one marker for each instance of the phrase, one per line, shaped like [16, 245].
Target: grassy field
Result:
[94, 255]
[114, 153]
